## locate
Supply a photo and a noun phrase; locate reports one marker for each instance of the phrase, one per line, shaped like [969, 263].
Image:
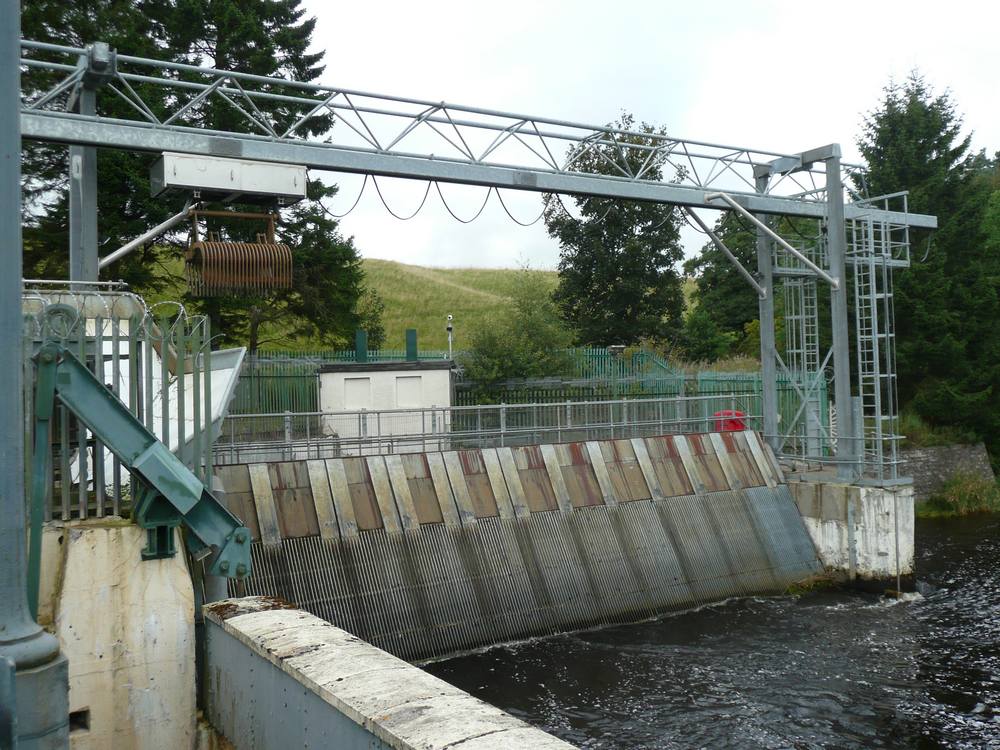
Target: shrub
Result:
[962, 495]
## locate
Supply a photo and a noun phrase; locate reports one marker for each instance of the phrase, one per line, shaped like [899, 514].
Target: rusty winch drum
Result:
[216, 267]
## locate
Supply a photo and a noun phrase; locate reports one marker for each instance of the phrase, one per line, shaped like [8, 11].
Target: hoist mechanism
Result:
[215, 266]
[237, 253]
[166, 494]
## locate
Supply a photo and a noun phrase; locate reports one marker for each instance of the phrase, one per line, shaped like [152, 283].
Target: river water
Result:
[822, 670]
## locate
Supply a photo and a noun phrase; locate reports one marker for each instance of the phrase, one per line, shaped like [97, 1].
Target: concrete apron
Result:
[863, 534]
[127, 628]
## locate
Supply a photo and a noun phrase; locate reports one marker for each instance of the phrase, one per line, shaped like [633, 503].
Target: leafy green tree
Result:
[618, 281]
[526, 339]
[703, 340]
[262, 37]
[722, 293]
[947, 305]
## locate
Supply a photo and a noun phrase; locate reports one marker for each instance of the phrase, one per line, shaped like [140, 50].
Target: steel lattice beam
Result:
[136, 136]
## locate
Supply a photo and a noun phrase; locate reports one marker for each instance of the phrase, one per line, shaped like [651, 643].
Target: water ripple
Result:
[824, 670]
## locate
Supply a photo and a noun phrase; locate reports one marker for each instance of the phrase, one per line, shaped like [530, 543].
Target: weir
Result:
[430, 554]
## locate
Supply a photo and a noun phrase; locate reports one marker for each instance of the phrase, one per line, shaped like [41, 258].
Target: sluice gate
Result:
[428, 554]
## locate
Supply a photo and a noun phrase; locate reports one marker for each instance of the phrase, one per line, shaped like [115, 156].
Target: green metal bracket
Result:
[168, 493]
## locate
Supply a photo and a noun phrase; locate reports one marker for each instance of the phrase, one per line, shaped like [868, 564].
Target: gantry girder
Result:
[412, 138]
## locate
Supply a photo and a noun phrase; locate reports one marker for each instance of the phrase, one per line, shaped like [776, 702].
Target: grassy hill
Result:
[421, 297]
[417, 297]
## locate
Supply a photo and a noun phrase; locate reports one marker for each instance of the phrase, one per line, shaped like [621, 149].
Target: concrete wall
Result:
[282, 678]
[932, 467]
[431, 554]
[860, 532]
[127, 628]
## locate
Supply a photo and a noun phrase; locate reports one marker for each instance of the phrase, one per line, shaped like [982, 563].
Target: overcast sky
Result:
[783, 76]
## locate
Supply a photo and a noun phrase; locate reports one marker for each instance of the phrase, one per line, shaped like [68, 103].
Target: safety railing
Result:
[158, 361]
[249, 438]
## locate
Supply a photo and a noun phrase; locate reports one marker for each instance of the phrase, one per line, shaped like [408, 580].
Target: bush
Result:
[963, 495]
[919, 433]
[525, 339]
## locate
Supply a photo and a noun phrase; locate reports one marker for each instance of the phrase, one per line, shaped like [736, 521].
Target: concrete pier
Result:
[862, 533]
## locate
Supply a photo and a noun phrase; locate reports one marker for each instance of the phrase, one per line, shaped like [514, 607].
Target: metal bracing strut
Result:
[169, 494]
[761, 291]
[832, 281]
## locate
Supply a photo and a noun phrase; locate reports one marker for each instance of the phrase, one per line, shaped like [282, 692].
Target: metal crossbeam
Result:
[415, 139]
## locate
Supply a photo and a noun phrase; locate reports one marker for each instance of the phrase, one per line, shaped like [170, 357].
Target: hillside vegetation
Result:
[415, 297]
[421, 297]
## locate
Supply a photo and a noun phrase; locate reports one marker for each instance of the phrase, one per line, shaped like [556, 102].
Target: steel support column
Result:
[836, 231]
[768, 348]
[41, 678]
[83, 199]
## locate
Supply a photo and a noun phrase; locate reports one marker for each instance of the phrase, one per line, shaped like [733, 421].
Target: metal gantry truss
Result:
[344, 130]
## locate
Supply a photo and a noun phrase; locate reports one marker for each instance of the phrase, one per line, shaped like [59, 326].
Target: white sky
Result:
[783, 76]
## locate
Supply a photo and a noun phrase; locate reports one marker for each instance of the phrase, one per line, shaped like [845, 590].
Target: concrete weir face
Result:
[426, 555]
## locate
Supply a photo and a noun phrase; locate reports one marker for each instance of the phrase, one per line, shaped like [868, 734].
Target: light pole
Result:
[450, 329]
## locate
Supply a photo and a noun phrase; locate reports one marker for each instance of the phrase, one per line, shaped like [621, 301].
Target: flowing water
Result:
[822, 670]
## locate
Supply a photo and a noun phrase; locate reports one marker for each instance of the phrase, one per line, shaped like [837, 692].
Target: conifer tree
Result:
[947, 306]
[262, 37]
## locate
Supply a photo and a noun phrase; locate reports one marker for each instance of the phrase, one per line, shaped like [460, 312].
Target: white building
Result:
[399, 406]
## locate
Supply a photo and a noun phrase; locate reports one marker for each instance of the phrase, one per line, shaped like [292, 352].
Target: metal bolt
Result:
[224, 566]
[241, 570]
[241, 537]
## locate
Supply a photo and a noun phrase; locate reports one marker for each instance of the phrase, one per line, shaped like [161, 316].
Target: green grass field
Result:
[421, 297]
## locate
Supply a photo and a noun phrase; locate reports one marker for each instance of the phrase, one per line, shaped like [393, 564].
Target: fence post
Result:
[288, 435]
[503, 421]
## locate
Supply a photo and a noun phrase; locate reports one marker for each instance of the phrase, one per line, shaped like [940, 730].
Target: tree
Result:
[617, 278]
[125, 207]
[722, 294]
[262, 37]
[703, 340]
[526, 339]
[370, 311]
[948, 350]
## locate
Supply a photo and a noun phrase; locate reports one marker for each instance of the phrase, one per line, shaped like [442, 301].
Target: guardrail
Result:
[294, 436]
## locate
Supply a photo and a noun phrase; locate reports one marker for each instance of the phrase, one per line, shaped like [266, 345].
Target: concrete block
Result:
[127, 627]
[336, 688]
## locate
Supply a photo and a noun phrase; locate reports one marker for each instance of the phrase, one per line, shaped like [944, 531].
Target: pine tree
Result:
[618, 282]
[124, 205]
[948, 343]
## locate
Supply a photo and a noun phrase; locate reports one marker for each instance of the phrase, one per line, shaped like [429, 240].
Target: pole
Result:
[41, 676]
[768, 348]
[83, 265]
[836, 238]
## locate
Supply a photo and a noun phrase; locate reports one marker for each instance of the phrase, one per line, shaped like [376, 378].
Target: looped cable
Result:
[515, 219]
[486, 200]
[354, 205]
[401, 218]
